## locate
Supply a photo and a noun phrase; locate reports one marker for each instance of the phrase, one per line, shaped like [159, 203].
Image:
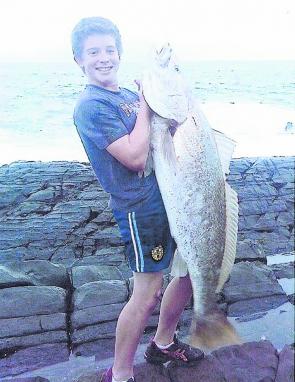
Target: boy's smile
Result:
[100, 61]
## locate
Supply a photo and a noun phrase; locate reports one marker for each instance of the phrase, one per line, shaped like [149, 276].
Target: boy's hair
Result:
[90, 26]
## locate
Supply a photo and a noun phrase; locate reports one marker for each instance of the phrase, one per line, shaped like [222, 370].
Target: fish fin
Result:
[179, 267]
[149, 166]
[213, 331]
[224, 144]
[225, 147]
[169, 149]
[231, 233]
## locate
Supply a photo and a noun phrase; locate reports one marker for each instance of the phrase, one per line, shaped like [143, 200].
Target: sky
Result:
[39, 30]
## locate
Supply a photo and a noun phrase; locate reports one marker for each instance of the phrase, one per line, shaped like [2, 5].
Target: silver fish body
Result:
[191, 175]
[192, 189]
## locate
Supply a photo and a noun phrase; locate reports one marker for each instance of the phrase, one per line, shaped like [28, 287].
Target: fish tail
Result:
[212, 331]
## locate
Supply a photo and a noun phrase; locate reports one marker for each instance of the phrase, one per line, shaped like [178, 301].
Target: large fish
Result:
[202, 209]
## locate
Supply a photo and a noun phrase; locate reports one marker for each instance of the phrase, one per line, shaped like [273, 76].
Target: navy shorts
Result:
[149, 246]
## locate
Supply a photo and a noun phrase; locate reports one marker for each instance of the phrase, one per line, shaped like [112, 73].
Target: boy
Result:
[113, 124]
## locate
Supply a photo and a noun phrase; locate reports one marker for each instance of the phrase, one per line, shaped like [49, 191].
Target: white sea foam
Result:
[257, 129]
[37, 102]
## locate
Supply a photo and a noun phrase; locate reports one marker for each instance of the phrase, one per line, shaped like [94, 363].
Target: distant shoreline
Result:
[257, 128]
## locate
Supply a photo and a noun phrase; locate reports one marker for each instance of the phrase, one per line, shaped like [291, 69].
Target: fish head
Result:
[164, 87]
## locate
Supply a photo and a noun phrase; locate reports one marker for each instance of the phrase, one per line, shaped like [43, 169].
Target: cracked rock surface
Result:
[64, 279]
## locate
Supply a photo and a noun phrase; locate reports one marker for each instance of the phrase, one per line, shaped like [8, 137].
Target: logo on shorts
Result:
[157, 253]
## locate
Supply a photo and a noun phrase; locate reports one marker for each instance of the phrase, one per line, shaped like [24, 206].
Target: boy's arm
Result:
[132, 149]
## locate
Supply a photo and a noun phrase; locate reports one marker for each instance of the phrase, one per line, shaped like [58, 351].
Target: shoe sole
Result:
[154, 361]
[158, 361]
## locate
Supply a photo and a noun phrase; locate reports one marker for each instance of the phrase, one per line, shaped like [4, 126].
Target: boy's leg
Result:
[175, 298]
[132, 321]
[165, 346]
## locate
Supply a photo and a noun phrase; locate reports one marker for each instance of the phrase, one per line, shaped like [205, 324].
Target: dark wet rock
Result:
[30, 379]
[287, 188]
[209, 369]
[286, 218]
[33, 358]
[112, 256]
[31, 300]
[149, 373]
[250, 250]
[87, 273]
[254, 361]
[274, 242]
[125, 271]
[285, 372]
[255, 305]
[97, 305]
[275, 325]
[143, 372]
[283, 270]
[257, 190]
[246, 222]
[51, 202]
[57, 211]
[56, 336]
[251, 280]
[109, 236]
[261, 206]
[55, 216]
[32, 315]
[21, 326]
[102, 348]
[267, 221]
[9, 278]
[94, 332]
[44, 195]
[100, 293]
[33, 272]
[90, 377]
[95, 314]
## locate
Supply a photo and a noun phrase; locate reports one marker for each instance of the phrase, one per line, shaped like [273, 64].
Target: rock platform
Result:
[64, 280]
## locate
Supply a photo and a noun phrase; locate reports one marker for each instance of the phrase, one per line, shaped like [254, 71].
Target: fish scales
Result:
[185, 189]
[192, 182]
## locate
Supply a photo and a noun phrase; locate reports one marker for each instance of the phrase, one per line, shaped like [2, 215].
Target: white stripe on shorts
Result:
[138, 242]
[134, 242]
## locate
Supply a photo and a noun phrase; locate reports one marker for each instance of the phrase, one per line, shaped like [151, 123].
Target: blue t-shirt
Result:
[101, 117]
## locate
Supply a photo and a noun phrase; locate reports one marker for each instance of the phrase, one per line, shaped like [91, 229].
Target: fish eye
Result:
[176, 68]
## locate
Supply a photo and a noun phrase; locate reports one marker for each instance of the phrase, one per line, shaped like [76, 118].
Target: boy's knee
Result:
[151, 300]
[149, 297]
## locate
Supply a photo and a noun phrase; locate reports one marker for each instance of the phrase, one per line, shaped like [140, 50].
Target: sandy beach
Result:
[258, 130]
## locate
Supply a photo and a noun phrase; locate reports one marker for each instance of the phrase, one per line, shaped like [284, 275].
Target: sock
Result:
[162, 347]
[114, 380]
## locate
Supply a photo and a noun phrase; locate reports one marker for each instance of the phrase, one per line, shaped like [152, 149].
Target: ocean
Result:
[37, 99]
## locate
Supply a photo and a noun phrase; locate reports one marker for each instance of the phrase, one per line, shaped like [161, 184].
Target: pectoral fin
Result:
[169, 150]
[149, 166]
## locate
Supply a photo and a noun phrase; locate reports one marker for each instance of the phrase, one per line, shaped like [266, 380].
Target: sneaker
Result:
[108, 375]
[179, 352]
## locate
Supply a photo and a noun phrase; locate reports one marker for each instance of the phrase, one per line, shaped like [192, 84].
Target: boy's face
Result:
[100, 61]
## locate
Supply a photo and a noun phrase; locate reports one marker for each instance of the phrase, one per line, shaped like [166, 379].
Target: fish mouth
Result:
[164, 55]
